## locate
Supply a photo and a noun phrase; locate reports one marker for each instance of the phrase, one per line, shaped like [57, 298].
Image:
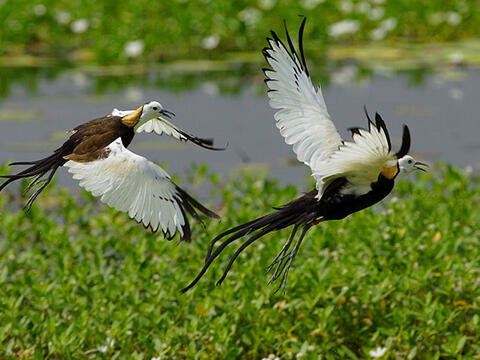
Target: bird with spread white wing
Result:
[96, 154]
[350, 175]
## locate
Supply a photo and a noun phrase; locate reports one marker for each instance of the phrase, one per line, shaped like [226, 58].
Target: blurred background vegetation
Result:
[141, 31]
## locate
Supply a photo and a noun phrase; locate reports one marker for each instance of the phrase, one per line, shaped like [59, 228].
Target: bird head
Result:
[407, 164]
[151, 110]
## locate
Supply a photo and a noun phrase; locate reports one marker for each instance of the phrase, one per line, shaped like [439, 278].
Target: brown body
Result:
[87, 143]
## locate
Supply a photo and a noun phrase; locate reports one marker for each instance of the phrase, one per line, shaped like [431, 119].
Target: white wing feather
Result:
[360, 161]
[304, 122]
[133, 184]
[160, 126]
[302, 118]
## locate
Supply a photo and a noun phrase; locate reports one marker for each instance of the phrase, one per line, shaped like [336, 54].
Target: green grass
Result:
[404, 275]
[181, 29]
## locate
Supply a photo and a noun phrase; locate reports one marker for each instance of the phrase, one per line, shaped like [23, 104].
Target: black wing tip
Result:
[406, 142]
[355, 130]
[191, 205]
[300, 44]
[366, 112]
[379, 124]
[206, 143]
[166, 234]
[275, 36]
[289, 41]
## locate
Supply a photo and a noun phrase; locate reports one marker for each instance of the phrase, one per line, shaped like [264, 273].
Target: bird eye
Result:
[410, 161]
[155, 108]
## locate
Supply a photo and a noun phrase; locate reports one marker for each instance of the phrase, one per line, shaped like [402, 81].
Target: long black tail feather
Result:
[37, 171]
[299, 211]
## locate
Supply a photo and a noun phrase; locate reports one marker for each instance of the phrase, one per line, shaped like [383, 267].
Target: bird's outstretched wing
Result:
[162, 126]
[304, 122]
[133, 184]
[302, 115]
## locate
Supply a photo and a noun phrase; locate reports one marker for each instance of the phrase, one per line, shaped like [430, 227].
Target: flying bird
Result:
[96, 154]
[350, 175]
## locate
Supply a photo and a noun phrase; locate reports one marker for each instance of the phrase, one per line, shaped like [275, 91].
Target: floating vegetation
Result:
[81, 280]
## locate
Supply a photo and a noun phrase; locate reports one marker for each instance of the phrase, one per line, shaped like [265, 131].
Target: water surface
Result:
[442, 113]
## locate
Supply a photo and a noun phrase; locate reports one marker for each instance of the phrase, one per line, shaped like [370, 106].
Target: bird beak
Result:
[168, 114]
[418, 165]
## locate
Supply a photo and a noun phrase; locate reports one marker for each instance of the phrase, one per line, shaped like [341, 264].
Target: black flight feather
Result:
[300, 46]
[405, 143]
[381, 125]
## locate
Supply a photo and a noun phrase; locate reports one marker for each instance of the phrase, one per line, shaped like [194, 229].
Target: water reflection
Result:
[440, 108]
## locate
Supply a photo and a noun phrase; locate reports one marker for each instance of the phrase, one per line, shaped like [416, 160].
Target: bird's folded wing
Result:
[133, 184]
[360, 160]
[302, 117]
[161, 126]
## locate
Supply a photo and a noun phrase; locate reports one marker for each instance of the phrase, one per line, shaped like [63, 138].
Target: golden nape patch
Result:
[390, 172]
[132, 119]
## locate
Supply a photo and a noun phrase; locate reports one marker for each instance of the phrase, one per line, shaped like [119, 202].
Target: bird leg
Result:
[284, 267]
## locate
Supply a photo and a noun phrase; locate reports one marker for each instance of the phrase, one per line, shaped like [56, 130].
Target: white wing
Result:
[302, 117]
[360, 161]
[304, 122]
[133, 184]
[159, 125]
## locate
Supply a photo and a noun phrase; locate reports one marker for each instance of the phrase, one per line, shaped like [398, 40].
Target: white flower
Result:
[457, 57]
[134, 48]
[110, 344]
[80, 26]
[346, 6]
[343, 27]
[453, 18]
[271, 357]
[363, 7]
[266, 4]
[389, 24]
[63, 17]
[311, 4]
[40, 10]
[211, 42]
[157, 358]
[250, 16]
[378, 352]
[376, 13]
[378, 34]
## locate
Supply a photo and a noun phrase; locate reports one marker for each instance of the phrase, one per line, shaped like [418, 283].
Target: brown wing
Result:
[90, 139]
